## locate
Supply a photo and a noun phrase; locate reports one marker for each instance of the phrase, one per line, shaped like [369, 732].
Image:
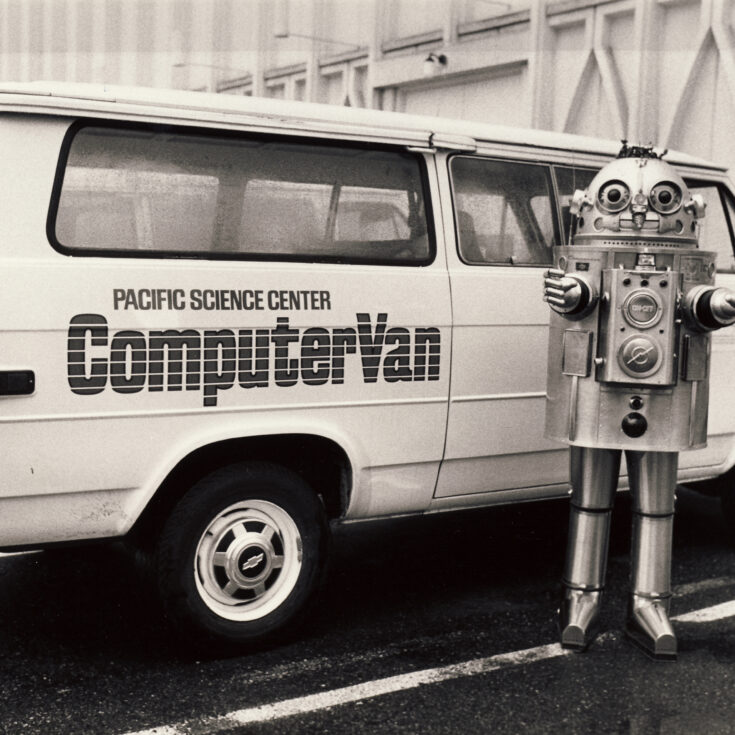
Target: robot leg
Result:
[594, 474]
[653, 484]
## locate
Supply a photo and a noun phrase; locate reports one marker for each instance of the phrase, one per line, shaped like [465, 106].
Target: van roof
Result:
[224, 110]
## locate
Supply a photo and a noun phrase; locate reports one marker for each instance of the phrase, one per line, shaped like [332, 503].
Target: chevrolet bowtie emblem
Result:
[253, 561]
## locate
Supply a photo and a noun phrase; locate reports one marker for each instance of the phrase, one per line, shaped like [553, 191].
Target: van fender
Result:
[238, 428]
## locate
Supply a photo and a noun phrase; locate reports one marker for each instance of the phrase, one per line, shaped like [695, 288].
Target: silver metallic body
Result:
[633, 303]
[594, 480]
[589, 391]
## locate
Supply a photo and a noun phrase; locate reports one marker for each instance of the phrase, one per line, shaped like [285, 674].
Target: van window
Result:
[169, 192]
[503, 211]
[714, 231]
[568, 180]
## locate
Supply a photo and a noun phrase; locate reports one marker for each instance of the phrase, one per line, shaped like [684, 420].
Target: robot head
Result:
[637, 197]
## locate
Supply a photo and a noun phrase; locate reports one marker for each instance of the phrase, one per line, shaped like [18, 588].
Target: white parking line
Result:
[708, 614]
[703, 585]
[357, 692]
[402, 682]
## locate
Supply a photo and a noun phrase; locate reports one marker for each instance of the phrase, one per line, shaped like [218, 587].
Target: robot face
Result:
[636, 198]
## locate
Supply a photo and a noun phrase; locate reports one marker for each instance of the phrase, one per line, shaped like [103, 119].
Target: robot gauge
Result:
[633, 304]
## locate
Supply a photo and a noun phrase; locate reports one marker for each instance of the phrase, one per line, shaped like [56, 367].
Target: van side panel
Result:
[356, 353]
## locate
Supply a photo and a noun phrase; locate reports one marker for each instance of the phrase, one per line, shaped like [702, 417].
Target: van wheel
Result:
[241, 556]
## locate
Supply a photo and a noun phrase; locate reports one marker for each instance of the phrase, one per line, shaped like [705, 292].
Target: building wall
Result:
[660, 71]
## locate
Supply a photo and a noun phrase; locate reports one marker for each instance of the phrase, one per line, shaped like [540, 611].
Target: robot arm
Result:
[571, 296]
[710, 308]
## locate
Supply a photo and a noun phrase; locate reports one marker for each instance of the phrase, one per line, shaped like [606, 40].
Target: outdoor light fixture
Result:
[434, 63]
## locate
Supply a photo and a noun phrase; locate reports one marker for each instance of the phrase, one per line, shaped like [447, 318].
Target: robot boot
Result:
[594, 474]
[653, 484]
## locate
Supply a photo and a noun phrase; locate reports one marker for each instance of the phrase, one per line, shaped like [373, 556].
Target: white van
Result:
[228, 322]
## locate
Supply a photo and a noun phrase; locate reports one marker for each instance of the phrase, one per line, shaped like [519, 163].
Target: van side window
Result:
[165, 192]
[714, 231]
[568, 180]
[503, 211]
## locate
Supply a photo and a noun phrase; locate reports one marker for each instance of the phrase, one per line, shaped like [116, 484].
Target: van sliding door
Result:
[505, 225]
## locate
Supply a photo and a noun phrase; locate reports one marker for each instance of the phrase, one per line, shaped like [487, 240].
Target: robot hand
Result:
[722, 305]
[563, 293]
[711, 308]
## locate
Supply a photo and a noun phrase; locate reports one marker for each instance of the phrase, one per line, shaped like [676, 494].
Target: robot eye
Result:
[613, 196]
[665, 197]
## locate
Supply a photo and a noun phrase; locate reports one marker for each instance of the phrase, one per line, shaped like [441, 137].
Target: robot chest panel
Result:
[638, 328]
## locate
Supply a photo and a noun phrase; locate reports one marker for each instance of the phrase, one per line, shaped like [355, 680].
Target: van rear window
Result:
[160, 192]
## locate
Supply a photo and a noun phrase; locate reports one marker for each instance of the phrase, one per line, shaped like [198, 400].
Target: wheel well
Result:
[321, 462]
[715, 485]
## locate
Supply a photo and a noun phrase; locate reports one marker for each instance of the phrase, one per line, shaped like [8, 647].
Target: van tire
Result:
[241, 557]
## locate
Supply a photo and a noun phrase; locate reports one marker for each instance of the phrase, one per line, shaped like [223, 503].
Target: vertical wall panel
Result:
[497, 98]
[24, 38]
[128, 42]
[36, 38]
[181, 39]
[100, 28]
[85, 34]
[412, 17]
[113, 38]
[589, 112]
[723, 141]
[334, 91]
[349, 21]
[14, 40]
[58, 40]
[693, 130]
[163, 56]
[677, 50]
[567, 64]
[201, 74]
[245, 24]
[618, 45]
[295, 49]
[145, 37]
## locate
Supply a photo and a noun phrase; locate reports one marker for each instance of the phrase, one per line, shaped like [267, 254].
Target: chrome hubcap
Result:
[248, 560]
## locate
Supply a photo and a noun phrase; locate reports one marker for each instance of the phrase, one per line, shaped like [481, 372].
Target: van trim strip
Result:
[497, 397]
[263, 408]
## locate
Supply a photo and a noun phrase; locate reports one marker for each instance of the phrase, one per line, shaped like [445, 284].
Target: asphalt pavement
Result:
[443, 624]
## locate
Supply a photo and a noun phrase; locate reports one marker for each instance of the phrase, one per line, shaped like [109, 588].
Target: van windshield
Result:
[714, 230]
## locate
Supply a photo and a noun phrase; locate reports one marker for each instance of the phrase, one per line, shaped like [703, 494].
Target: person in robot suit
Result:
[633, 302]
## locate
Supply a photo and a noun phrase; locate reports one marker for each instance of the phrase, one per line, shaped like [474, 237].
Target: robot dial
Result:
[639, 356]
[643, 308]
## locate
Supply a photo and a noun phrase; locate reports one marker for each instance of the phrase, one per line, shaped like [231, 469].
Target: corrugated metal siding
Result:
[648, 70]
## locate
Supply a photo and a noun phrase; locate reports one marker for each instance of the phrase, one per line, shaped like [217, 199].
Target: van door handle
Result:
[17, 382]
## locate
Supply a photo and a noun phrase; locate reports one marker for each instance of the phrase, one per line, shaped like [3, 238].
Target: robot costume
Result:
[633, 302]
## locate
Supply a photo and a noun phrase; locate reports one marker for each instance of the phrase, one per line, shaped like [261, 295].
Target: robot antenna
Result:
[638, 151]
